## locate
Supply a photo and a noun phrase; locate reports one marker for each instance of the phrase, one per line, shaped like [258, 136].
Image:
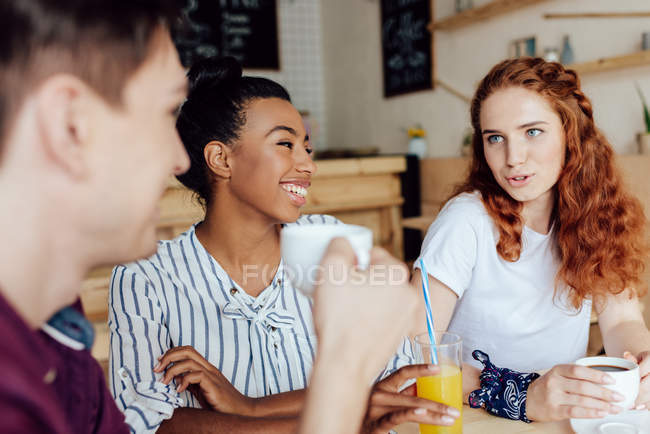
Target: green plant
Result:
[646, 113]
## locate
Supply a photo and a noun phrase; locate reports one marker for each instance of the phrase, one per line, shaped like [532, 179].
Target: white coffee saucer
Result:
[615, 423]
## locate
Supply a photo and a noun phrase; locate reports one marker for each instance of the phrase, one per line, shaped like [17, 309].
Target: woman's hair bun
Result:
[212, 71]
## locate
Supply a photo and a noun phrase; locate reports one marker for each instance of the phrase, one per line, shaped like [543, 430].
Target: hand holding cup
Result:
[625, 374]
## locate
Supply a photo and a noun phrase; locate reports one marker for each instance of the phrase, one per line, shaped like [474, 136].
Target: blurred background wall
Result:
[331, 63]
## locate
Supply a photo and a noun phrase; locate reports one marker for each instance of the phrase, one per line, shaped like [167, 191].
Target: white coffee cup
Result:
[627, 379]
[303, 247]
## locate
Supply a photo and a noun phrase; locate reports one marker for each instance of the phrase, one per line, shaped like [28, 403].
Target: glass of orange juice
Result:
[447, 386]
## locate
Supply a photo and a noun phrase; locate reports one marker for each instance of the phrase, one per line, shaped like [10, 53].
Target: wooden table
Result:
[477, 421]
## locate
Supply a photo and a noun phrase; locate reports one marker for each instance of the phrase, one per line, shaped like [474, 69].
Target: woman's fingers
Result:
[181, 353]
[573, 412]
[584, 398]
[643, 361]
[417, 415]
[399, 377]
[409, 390]
[583, 373]
[172, 355]
[592, 390]
[571, 391]
[643, 400]
[588, 402]
[180, 368]
[198, 377]
[629, 356]
[396, 400]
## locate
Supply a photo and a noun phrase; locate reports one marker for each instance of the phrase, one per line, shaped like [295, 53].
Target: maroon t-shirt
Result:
[48, 387]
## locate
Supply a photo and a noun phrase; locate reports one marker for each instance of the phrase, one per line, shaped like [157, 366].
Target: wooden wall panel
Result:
[335, 192]
[438, 176]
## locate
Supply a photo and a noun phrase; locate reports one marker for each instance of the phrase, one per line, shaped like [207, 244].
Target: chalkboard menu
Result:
[406, 46]
[244, 29]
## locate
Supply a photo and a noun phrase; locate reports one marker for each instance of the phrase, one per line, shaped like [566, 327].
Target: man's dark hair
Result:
[103, 42]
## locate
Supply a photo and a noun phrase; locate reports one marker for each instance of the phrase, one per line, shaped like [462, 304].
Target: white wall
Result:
[358, 115]
[301, 61]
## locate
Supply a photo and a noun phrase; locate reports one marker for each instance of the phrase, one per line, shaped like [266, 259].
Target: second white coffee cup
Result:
[303, 248]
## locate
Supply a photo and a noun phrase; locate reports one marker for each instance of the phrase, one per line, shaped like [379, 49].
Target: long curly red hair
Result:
[598, 226]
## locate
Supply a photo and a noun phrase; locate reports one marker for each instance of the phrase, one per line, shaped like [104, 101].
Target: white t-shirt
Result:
[506, 309]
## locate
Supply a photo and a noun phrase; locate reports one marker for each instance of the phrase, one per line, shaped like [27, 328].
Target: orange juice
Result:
[447, 388]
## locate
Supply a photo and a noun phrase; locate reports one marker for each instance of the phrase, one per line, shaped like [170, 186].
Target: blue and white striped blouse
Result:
[182, 296]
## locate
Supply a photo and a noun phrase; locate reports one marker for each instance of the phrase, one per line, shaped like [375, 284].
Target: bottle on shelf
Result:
[551, 54]
[567, 57]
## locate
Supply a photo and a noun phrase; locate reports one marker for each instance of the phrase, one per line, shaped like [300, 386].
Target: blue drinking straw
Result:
[427, 303]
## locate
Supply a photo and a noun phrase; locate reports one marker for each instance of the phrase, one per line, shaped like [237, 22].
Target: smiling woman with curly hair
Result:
[541, 230]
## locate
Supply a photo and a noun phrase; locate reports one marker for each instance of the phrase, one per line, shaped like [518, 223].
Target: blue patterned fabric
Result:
[503, 391]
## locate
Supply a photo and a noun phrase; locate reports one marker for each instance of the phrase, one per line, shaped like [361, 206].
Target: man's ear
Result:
[218, 158]
[63, 123]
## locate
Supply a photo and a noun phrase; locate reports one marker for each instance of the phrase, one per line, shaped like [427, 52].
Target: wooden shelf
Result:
[420, 223]
[359, 166]
[596, 15]
[489, 10]
[352, 206]
[606, 64]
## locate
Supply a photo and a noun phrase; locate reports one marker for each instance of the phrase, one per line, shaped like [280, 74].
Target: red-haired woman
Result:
[541, 230]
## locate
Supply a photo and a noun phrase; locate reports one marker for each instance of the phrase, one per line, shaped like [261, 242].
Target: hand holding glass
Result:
[446, 387]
